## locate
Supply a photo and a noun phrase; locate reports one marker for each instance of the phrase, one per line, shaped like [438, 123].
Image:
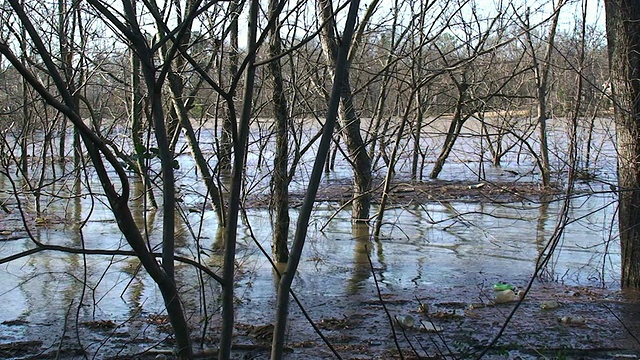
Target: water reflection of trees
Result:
[362, 250]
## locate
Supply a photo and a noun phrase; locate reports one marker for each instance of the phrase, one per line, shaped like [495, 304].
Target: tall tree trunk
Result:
[280, 181]
[181, 112]
[168, 191]
[176, 88]
[238, 172]
[357, 152]
[284, 285]
[98, 151]
[154, 91]
[225, 147]
[541, 68]
[349, 119]
[26, 113]
[623, 33]
[391, 167]
[136, 128]
[64, 57]
[416, 173]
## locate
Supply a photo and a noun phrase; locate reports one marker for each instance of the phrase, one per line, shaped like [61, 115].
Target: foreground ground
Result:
[586, 324]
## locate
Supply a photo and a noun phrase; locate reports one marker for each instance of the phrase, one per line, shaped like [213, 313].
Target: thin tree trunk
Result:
[280, 181]
[154, 90]
[99, 152]
[391, 170]
[176, 88]
[452, 134]
[183, 340]
[136, 129]
[226, 146]
[180, 111]
[26, 114]
[542, 71]
[350, 121]
[239, 157]
[284, 286]
[417, 130]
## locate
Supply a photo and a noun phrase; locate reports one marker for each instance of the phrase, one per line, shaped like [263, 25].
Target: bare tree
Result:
[349, 119]
[284, 285]
[541, 67]
[466, 81]
[225, 146]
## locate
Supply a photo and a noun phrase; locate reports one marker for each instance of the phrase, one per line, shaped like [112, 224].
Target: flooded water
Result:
[446, 252]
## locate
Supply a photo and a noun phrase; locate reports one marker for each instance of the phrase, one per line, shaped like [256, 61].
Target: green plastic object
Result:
[500, 286]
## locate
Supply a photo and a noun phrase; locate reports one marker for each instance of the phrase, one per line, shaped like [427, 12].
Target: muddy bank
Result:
[582, 323]
[420, 192]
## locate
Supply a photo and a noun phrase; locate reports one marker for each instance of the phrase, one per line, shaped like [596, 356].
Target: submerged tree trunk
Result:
[176, 89]
[391, 167]
[349, 119]
[416, 172]
[541, 68]
[176, 86]
[358, 154]
[623, 33]
[284, 285]
[452, 134]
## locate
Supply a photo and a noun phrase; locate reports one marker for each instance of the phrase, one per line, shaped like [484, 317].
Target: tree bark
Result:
[280, 181]
[284, 285]
[541, 71]
[391, 167]
[176, 88]
[225, 147]
[623, 34]
[136, 128]
[99, 153]
[452, 134]
[238, 172]
[349, 119]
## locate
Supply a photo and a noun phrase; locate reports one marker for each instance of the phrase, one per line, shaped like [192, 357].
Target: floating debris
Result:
[406, 321]
[572, 320]
[475, 186]
[429, 327]
[501, 286]
[549, 305]
[423, 308]
[506, 296]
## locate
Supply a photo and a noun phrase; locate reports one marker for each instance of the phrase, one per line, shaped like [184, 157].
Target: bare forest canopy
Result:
[198, 108]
